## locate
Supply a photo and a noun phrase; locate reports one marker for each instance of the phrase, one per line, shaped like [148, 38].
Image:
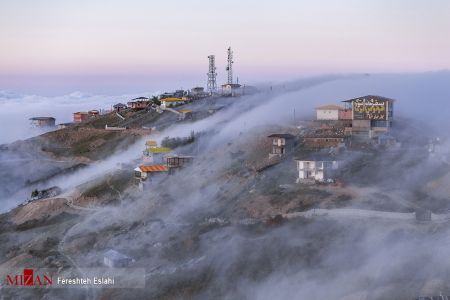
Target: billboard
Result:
[369, 109]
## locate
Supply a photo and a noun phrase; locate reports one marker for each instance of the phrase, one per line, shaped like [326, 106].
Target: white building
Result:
[328, 112]
[315, 168]
[231, 89]
[171, 102]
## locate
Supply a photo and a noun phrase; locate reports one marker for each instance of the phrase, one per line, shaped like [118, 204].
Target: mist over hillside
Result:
[221, 230]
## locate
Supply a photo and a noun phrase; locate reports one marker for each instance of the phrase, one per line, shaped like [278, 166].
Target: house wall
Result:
[279, 141]
[315, 143]
[78, 118]
[316, 170]
[327, 114]
[345, 114]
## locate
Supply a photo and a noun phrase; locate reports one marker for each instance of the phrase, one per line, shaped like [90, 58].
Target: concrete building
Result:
[197, 90]
[282, 143]
[231, 89]
[171, 102]
[65, 125]
[80, 117]
[324, 138]
[371, 115]
[42, 122]
[185, 114]
[139, 103]
[114, 259]
[328, 112]
[316, 167]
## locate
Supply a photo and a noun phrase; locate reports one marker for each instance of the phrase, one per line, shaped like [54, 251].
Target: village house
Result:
[324, 138]
[41, 122]
[231, 89]
[316, 166]
[171, 102]
[80, 116]
[282, 143]
[185, 114]
[174, 162]
[119, 107]
[114, 259]
[198, 93]
[65, 125]
[139, 103]
[328, 112]
[144, 172]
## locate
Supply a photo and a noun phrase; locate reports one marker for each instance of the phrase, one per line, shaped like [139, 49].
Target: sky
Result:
[52, 47]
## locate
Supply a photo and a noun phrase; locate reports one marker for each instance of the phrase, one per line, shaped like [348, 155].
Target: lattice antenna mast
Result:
[212, 75]
[230, 66]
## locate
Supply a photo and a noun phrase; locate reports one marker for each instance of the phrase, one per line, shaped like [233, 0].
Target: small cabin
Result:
[114, 259]
[185, 114]
[143, 172]
[65, 125]
[139, 103]
[282, 143]
[80, 116]
[178, 161]
[231, 89]
[119, 107]
[172, 101]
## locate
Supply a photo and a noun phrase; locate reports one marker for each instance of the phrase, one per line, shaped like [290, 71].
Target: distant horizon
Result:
[166, 85]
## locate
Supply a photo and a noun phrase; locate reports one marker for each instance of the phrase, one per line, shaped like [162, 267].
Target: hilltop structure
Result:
[371, 115]
[42, 122]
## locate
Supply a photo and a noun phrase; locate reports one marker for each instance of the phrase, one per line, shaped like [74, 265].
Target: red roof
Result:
[157, 168]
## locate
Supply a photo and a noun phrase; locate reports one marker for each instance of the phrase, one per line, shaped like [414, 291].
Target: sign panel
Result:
[370, 109]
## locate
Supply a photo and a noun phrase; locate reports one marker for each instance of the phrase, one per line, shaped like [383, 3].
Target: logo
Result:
[28, 278]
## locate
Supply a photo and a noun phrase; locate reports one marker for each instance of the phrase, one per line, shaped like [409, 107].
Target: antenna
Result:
[230, 66]
[212, 75]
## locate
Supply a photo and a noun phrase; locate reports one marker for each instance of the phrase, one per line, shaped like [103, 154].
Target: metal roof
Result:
[282, 135]
[330, 107]
[156, 168]
[172, 99]
[159, 150]
[379, 98]
[42, 118]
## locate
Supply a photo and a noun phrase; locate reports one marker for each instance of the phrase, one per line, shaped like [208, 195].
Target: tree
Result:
[156, 100]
